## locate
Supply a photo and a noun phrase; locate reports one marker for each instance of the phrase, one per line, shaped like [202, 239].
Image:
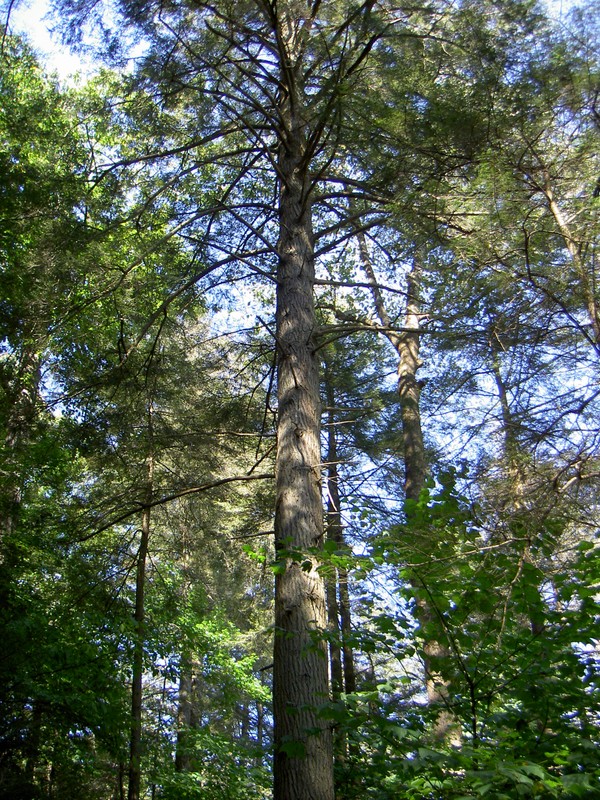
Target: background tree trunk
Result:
[340, 605]
[407, 346]
[184, 716]
[135, 744]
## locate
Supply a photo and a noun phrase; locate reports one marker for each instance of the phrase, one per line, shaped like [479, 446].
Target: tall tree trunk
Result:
[415, 465]
[300, 680]
[303, 767]
[21, 389]
[510, 499]
[185, 699]
[33, 743]
[346, 620]
[119, 792]
[574, 248]
[341, 657]
[407, 346]
[409, 391]
[335, 533]
[184, 716]
[135, 742]
[260, 724]
[335, 629]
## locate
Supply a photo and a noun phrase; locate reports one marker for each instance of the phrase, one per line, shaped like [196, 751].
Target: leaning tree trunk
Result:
[303, 768]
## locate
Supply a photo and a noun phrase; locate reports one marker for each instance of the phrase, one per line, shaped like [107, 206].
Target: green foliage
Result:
[126, 226]
[516, 661]
[226, 770]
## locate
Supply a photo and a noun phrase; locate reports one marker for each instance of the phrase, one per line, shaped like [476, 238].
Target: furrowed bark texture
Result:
[303, 747]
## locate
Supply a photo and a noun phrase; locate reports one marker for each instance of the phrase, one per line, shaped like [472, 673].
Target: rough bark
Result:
[300, 666]
[303, 768]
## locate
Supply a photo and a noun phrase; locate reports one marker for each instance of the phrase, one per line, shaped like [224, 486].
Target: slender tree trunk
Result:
[346, 620]
[511, 447]
[119, 793]
[303, 767]
[185, 699]
[333, 525]
[409, 391]
[514, 502]
[184, 716]
[260, 727]
[22, 391]
[33, 743]
[407, 346]
[135, 744]
[574, 248]
[335, 650]
[340, 651]
[335, 532]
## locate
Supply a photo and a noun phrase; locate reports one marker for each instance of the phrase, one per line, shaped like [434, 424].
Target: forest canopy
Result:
[299, 396]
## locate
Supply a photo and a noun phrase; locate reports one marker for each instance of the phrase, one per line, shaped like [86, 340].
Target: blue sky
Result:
[28, 17]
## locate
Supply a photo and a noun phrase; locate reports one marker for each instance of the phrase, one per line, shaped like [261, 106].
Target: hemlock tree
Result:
[262, 92]
[276, 75]
[248, 137]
